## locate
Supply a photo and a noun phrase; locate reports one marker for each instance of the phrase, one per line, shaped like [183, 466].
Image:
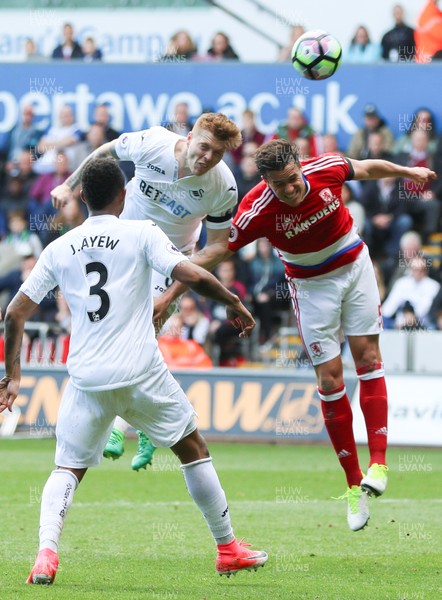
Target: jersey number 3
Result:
[97, 290]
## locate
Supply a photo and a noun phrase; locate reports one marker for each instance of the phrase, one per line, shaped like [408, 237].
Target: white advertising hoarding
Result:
[415, 411]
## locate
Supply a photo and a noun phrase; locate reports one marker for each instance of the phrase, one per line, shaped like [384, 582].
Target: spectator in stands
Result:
[90, 51]
[304, 148]
[66, 136]
[24, 136]
[11, 282]
[69, 216]
[249, 132]
[376, 147]
[194, 324]
[413, 292]
[247, 175]
[421, 119]
[329, 143]
[40, 201]
[421, 202]
[355, 208]
[14, 195]
[221, 48]
[102, 117]
[362, 49]
[181, 47]
[223, 334]
[386, 218]
[410, 246]
[179, 352]
[398, 43]
[180, 122]
[95, 137]
[31, 53]
[267, 285]
[297, 126]
[285, 53]
[358, 148]
[428, 33]
[24, 241]
[69, 49]
[23, 168]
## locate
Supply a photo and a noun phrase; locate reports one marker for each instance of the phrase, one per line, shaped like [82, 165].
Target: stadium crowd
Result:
[403, 42]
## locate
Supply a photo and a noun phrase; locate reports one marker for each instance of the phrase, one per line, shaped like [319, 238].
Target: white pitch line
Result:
[291, 499]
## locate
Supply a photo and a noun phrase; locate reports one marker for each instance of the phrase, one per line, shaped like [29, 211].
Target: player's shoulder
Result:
[260, 191]
[256, 201]
[221, 174]
[323, 161]
[147, 135]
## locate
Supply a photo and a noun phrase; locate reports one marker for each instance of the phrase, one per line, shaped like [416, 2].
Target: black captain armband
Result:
[352, 171]
[222, 219]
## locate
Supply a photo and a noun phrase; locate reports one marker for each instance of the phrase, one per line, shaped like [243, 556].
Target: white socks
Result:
[121, 425]
[204, 486]
[56, 499]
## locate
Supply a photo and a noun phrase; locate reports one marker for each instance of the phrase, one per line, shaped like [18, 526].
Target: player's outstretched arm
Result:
[217, 254]
[377, 169]
[63, 193]
[206, 284]
[17, 313]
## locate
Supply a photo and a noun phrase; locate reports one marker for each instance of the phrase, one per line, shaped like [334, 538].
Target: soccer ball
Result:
[316, 55]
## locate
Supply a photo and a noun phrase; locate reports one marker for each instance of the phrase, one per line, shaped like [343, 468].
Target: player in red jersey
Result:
[298, 207]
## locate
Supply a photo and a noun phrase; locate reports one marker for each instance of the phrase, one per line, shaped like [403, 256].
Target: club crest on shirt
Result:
[196, 193]
[327, 195]
[316, 349]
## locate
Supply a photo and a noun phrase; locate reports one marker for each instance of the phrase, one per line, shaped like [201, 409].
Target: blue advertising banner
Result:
[231, 403]
[140, 96]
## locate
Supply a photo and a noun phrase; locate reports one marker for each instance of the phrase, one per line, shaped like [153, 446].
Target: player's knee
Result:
[329, 383]
[203, 450]
[329, 379]
[370, 360]
[191, 448]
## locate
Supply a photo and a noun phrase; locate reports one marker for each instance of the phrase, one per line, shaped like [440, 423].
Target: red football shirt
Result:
[313, 238]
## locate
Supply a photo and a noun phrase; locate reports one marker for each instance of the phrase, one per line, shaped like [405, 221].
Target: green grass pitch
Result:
[138, 535]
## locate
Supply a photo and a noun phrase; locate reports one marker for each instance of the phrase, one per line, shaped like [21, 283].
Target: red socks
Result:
[338, 419]
[373, 400]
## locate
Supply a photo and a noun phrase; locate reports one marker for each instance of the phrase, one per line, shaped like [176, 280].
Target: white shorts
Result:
[157, 406]
[345, 301]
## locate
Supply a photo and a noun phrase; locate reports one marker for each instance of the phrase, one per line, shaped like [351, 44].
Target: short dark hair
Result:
[275, 155]
[101, 181]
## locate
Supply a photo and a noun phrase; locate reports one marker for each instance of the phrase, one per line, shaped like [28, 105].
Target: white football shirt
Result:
[104, 269]
[178, 206]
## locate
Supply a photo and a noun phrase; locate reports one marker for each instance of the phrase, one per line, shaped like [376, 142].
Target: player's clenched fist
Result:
[421, 174]
[61, 195]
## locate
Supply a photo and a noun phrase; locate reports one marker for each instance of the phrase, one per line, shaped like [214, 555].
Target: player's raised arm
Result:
[206, 284]
[63, 193]
[377, 169]
[209, 260]
[17, 313]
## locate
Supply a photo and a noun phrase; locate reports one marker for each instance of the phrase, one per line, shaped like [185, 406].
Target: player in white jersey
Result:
[178, 183]
[104, 268]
